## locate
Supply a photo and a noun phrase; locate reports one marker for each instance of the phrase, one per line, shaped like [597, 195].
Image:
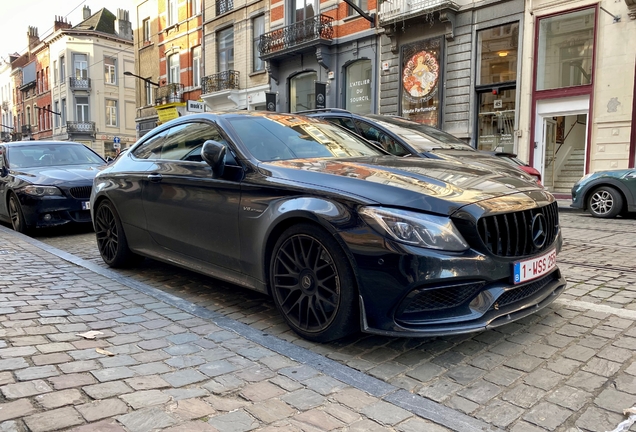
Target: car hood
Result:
[54, 175]
[431, 185]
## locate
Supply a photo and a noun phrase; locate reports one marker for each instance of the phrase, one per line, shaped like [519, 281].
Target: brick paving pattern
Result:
[569, 366]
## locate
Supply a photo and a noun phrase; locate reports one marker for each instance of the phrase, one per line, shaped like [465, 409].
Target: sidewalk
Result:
[162, 363]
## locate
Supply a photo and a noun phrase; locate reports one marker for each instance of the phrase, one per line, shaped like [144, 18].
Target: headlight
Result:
[417, 229]
[42, 191]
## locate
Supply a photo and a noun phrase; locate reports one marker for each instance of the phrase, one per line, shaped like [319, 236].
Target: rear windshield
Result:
[42, 155]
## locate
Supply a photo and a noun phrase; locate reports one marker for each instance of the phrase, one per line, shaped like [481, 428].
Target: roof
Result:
[102, 21]
[37, 143]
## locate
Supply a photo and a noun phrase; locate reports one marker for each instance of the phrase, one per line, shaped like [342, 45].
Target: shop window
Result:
[565, 50]
[358, 92]
[420, 81]
[496, 120]
[302, 91]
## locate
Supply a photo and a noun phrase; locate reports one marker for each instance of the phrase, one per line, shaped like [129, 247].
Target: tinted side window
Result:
[343, 121]
[151, 149]
[372, 133]
[184, 142]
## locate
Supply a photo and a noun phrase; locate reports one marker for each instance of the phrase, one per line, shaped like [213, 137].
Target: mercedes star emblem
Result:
[539, 235]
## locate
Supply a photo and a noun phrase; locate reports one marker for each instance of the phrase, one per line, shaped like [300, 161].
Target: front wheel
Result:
[111, 239]
[605, 202]
[312, 284]
[17, 217]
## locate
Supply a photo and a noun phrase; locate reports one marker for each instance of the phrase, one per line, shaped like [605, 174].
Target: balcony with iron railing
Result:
[394, 10]
[226, 80]
[298, 36]
[80, 127]
[26, 129]
[5, 136]
[223, 6]
[79, 83]
[170, 93]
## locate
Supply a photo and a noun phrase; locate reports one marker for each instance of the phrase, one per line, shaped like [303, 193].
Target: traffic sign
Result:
[116, 140]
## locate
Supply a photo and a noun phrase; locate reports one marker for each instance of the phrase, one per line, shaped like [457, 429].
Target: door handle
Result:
[155, 178]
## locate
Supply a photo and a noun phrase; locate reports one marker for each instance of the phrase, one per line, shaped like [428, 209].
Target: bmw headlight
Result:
[417, 229]
[42, 191]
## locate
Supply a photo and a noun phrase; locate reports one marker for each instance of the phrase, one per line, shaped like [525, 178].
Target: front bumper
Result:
[52, 211]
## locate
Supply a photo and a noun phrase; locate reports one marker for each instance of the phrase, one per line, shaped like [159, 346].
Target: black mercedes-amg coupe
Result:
[342, 235]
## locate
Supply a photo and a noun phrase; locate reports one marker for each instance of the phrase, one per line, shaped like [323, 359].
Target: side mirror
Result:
[213, 152]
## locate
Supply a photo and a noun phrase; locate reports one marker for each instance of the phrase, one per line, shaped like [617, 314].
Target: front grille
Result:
[511, 234]
[82, 192]
[525, 291]
[440, 298]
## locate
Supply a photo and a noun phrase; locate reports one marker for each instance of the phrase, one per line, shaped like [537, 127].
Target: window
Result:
[303, 9]
[174, 69]
[28, 116]
[63, 112]
[56, 118]
[151, 149]
[111, 112]
[358, 91]
[80, 62]
[565, 50]
[149, 99]
[110, 72]
[81, 109]
[380, 137]
[303, 92]
[497, 50]
[225, 48]
[195, 7]
[362, 4]
[46, 79]
[173, 11]
[146, 30]
[62, 69]
[258, 28]
[196, 66]
[223, 6]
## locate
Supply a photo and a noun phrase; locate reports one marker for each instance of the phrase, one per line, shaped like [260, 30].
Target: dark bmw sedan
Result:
[46, 183]
[341, 234]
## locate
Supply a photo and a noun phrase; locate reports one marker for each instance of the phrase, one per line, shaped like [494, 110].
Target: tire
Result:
[18, 222]
[605, 202]
[111, 239]
[313, 285]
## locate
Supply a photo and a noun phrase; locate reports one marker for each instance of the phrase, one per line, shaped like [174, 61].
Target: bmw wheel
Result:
[605, 202]
[312, 284]
[17, 217]
[111, 239]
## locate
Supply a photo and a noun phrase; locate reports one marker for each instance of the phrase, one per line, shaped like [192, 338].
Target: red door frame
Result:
[563, 92]
[632, 139]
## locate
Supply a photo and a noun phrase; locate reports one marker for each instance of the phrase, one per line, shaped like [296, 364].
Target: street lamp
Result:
[141, 78]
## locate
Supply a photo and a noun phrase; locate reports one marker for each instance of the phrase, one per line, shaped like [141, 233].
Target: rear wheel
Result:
[312, 284]
[17, 217]
[605, 202]
[111, 239]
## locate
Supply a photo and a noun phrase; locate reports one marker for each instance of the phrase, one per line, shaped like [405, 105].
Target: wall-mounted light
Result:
[503, 53]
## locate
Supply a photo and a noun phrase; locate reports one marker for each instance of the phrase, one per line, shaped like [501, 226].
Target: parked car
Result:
[340, 233]
[403, 137]
[46, 183]
[606, 194]
[514, 160]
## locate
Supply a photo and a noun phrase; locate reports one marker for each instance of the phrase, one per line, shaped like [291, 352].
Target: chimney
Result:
[123, 26]
[60, 23]
[86, 11]
[34, 38]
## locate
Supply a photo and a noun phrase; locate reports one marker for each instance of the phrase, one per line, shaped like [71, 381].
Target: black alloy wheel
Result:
[312, 284]
[111, 240]
[605, 202]
[17, 217]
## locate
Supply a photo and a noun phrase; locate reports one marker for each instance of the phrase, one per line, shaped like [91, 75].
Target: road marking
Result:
[623, 313]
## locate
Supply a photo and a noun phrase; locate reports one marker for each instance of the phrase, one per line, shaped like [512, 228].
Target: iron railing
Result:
[170, 93]
[403, 9]
[223, 6]
[225, 80]
[80, 127]
[26, 129]
[79, 83]
[5, 136]
[312, 29]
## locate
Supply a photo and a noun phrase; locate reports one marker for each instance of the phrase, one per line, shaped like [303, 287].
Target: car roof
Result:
[38, 143]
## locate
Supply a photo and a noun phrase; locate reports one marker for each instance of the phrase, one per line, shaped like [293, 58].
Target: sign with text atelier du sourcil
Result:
[270, 101]
[321, 95]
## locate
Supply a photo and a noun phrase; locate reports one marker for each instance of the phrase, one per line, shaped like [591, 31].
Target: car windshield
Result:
[42, 155]
[285, 137]
[421, 137]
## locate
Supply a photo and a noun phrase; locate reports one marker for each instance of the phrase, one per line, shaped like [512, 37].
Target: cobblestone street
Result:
[188, 348]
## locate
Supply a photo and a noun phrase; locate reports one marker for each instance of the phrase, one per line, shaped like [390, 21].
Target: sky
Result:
[20, 14]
